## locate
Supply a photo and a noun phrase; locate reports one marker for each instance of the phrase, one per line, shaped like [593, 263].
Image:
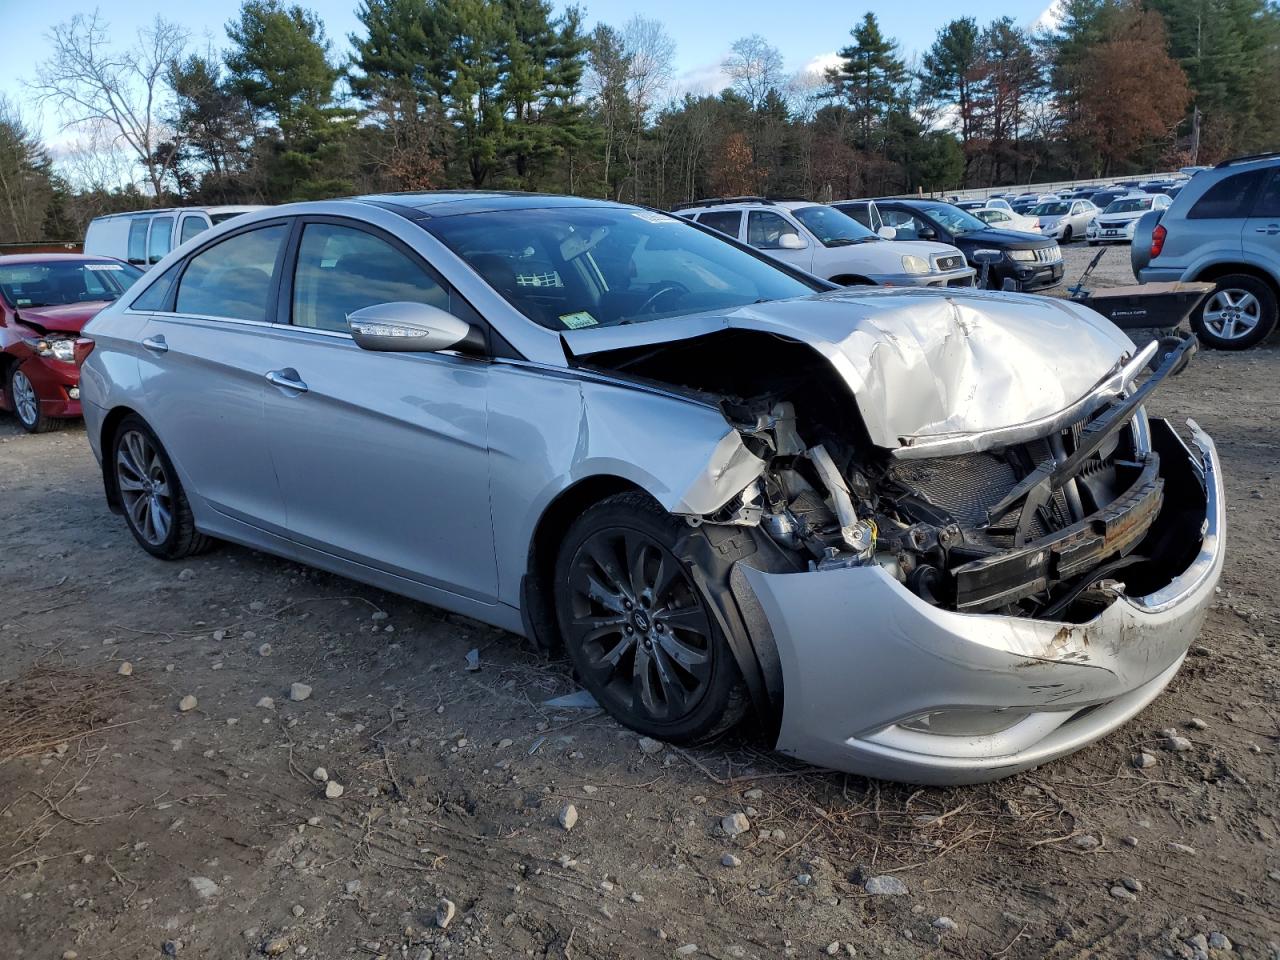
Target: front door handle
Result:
[287, 378]
[1271, 229]
[156, 344]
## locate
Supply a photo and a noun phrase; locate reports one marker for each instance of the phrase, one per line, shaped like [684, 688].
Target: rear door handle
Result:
[1271, 229]
[288, 379]
[156, 344]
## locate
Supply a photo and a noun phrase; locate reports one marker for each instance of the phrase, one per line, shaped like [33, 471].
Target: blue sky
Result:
[804, 30]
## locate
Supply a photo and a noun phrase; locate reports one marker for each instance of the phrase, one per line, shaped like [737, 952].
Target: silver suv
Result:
[830, 244]
[1224, 227]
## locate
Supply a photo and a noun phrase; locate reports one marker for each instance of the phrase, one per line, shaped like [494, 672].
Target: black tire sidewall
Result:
[1266, 322]
[166, 550]
[630, 512]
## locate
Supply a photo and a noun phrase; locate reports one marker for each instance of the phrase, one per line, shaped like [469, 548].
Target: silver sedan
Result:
[928, 535]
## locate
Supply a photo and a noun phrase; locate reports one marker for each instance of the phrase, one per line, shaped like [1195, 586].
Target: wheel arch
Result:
[1215, 271]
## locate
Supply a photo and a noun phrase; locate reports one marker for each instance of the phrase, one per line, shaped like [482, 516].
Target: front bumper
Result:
[1034, 275]
[57, 386]
[1123, 233]
[860, 654]
[962, 277]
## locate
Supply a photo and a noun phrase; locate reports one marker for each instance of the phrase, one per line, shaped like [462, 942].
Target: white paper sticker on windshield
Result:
[104, 266]
[652, 217]
[576, 321]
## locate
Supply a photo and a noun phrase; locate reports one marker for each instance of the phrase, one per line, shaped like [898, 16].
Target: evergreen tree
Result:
[872, 79]
[952, 68]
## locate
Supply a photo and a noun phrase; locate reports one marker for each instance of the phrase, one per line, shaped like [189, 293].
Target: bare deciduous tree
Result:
[118, 91]
[755, 68]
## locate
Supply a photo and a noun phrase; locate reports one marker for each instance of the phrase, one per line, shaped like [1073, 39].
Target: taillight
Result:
[83, 347]
[1157, 240]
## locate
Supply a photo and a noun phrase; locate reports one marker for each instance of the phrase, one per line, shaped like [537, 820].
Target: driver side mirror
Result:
[790, 241]
[927, 233]
[404, 327]
[888, 233]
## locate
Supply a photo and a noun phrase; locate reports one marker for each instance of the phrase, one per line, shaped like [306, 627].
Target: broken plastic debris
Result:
[578, 700]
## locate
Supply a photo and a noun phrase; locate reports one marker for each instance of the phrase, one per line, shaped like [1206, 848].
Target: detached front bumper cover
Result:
[861, 656]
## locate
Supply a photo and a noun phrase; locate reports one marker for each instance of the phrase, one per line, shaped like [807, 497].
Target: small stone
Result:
[70, 955]
[267, 703]
[1219, 941]
[170, 948]
[264, 650]
[126, 669]
[1199, 943]
[203, 887]
[473, 661]
[1182, 848]
[1129, 841]
[885, 886]
[379, 615]
[505, 742]
[1132, 883]
[187, 703]
[650, 746]
[833, 948]
[219, 636]
[298, 910]
[1177, 744]
[1195, 723]
[735, 824]
[320, 774]
[730, 861]
[275, 947]
[568, 817]
[314, 821]
[688, 950]
[445, 910]
[1144, 760]
[755, 793]
[186, 573]
[352, 887]
[1086, 841]
[1120, 893]
[333, 790]
[299, 692]
[945, 924]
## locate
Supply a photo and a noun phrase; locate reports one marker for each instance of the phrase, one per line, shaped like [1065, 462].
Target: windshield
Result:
[57, 282]
[1129, 205]
[571, 267]
[833, 228]
[223, 217]
[954, 220]
[1052, 209]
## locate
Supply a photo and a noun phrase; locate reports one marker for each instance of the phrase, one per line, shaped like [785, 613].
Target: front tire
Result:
[155, 505]
[1241, 312]
[26, 405]
[642, 635]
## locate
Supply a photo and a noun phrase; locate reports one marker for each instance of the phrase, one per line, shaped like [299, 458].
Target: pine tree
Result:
[872, 79]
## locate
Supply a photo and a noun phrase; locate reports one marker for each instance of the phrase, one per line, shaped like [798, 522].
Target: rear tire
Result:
[1241, 312]
[155, 505]
[642, 635]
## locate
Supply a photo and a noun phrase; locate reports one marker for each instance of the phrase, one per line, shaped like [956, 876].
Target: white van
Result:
[143, 237]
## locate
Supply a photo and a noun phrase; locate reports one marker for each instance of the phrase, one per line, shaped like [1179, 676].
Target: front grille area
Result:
[1048, 254]
[953, 262]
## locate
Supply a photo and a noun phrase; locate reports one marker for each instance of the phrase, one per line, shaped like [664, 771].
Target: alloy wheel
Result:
[25, 403]
[642, 628]
[144, 487]
[1232, 313]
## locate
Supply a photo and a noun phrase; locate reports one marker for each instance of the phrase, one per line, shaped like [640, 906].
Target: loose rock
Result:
[730, 861]
[885, 886]
[320, 774]
[275, 947]
[650, 746]
[735, 824]
[1219, 941]
[170, 948]
[299, 691]
[203, 887]
[1086, 841]
[1195, 723]
[1120, 893]
[445, 910]
[473, 661]
[945, 924]
[187, 703]
[1144, 760]
[264, 650]
[568, 816]
[266, 703]
[333, 789]
[186, 573]
[1132, 883]
[126, 669]
[688, 950]
[1182, 848]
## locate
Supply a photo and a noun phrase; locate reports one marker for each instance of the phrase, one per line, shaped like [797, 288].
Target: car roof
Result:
[14, 258]
[216, 208]
[430, 204]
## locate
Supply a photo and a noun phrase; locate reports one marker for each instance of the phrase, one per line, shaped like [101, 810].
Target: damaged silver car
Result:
[926, 535]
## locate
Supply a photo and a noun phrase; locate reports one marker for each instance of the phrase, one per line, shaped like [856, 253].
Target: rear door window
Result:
[161, 241]
[726, 221]
[1228, 199]
[234, 277]
[138, 239]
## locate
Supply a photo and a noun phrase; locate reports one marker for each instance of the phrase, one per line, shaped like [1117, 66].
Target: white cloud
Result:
[1050, 18]
[821, 63]
[708, 78]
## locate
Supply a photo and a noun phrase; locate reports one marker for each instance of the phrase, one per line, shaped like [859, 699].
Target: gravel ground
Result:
[458, 815]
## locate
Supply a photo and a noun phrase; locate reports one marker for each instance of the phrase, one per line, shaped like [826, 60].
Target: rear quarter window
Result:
[1230, 198]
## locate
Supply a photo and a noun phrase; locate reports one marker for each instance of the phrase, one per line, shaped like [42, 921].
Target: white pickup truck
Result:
[827, 243]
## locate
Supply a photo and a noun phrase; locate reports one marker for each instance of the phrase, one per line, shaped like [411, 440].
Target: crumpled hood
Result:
[923, 364]
[64, 318]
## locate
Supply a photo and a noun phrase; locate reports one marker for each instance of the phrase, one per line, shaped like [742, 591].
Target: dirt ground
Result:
[130, 827]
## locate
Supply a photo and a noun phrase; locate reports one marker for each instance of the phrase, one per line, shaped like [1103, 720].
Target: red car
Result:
[45, 298]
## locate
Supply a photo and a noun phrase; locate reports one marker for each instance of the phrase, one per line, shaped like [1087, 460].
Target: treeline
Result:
[512, 94]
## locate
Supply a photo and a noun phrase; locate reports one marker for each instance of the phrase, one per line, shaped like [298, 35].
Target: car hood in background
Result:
[64, 318]
[925, 248]
[1014, 239]
[924, 366]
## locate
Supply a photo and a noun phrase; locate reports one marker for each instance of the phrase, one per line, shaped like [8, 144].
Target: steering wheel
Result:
[662, 291]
